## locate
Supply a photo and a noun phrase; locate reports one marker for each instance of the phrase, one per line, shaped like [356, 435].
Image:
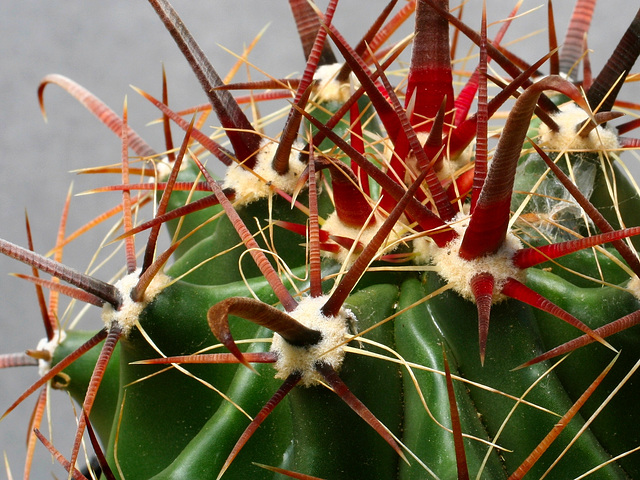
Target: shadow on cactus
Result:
[403, 273]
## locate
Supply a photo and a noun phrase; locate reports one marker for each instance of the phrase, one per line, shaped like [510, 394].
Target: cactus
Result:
[376, 291]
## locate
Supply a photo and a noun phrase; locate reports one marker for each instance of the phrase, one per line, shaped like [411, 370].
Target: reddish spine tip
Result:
[482, 286]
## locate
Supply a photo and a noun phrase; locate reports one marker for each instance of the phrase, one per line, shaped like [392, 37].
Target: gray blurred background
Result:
[106, 46]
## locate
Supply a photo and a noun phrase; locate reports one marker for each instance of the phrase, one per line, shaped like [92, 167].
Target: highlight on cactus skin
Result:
[424, 274]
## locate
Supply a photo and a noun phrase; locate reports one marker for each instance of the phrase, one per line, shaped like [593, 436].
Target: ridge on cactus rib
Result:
[378, 291]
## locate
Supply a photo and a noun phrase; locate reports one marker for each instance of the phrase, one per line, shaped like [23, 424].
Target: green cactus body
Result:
[351, 297]
[186, 413]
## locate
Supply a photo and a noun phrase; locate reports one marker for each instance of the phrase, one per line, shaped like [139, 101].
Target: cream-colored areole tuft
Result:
[252, 185]
[567, 138]
[328, 88]
[50, 346]
[458, 272]
[634, 286]
[334, 330]
[129, 312]
[334, 226]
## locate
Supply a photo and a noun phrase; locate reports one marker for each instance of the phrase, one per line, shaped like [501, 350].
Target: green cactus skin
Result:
[158, 421]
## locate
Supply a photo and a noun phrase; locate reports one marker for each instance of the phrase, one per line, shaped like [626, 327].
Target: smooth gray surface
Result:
[106, 46]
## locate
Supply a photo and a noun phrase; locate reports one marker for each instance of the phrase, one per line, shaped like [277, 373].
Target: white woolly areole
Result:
[328, 88]
[334, 226]
[164, 167]
[599, 139]
[252, 185]
[129, 312]
[448, 166]
[50, 346]
[334, 330]
[458, 272]
[634, 287]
